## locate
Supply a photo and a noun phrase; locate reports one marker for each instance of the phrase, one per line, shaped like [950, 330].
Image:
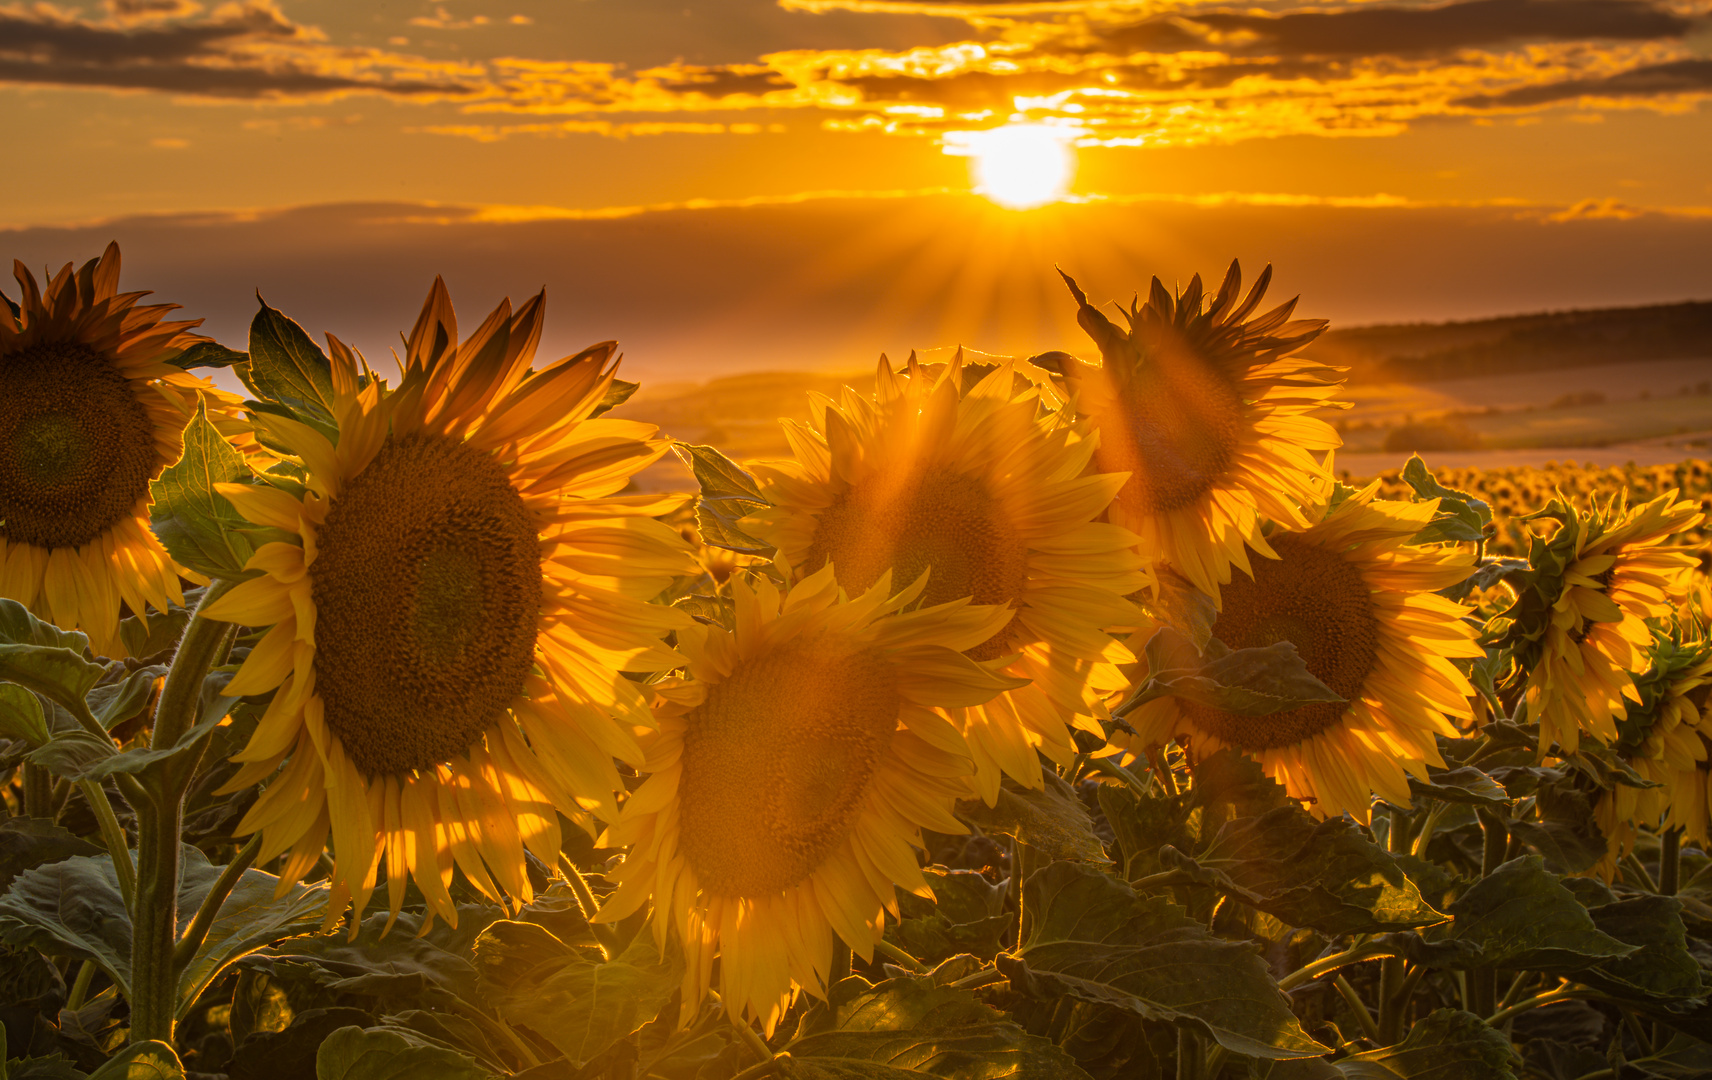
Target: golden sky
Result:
[1508, 134]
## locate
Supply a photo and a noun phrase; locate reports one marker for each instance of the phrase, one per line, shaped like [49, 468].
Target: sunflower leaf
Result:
[196, 524]
[1247, 682]
[21, 715]
[205, 354]
[26, 843]
[617, 394]
[1448, 1044]
[74, 906]
[1087, 934]
[728, 494]
[579, 1005]
[19, 627]
[286, 367]
[354, 1053]
[1520, 916]
[1320, 874]
[1051, 819]
[1661, 970]
[1466, 785]
[910, 1027]
[1460, 517]
[151, 1060]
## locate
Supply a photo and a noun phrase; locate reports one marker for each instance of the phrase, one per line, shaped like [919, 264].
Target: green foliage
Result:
[195, 523]
[1051, 820]
[287, 369]
[1449, 1044]
[1248, 682]
[728, 494]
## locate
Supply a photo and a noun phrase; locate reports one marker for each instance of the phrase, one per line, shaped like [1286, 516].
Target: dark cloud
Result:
[252, 51]
[1400, 31]
[1653, 80]
[721, 81]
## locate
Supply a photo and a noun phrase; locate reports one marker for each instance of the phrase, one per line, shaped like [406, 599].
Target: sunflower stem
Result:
[1552, 997]
[754, 1042]
[1367, 950]
[118, 845]
[80, 988]
[160, 827]
[899, 957]
[765, 1068]
[185, 950]
[1358, 1009]
[840, 969]
[604, 934]
[1642, 878]
[1670, 862]
[38, 791]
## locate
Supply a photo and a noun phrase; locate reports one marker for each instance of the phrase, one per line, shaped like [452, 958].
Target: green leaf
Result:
[1182, 607]
[1142, 826]
[206, 354]
[1089, 935]
[151, 1060]
[1487, 573]
[21, 715]
[19, 627]
[909, 1027]
[1521, 916]
[214, 708]
[195, 523]
[1567, 834]
[154, 637]
[1320, 874]
[113, 703]
[728, 494]
[74, 754]
[1052, 820]
[616, 395]
[1466, 785]
[74, 905]
[967, 915]
[52, 1067]
[1248, 682]
[26, 843]
[579, 1005]
[1661, 969]
[1460, 516]
[1448, 1044]
[352, 1053]
[286, 366]
[48, 670]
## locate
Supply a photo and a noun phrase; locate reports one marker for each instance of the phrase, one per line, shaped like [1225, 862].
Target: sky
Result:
[738, 184]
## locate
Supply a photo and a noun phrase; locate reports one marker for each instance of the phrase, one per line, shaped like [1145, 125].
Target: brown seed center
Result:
[427, 587]
[1316, 600]
[1175, 427]
[777, 761]
[911, 522]
[77, 449]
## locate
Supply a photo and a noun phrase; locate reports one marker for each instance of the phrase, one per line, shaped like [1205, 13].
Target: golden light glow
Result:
[1018, 166]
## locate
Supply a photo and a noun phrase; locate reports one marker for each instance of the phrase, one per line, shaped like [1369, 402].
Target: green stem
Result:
[1392, 1003]
[765, 1068]
[1188, 1055]
[1362, 1016]
[197, 933]
[118, 846]
[495, 1026]
[604, 934]
[1483, 982]
[840, 969]
[1642, 878]
[80, 988]
[1369, 950]
[1113, 769]
[984, 977]
[1670, 862]
[1428, 827]
[754, 1042]
[38, 791]
[160, 827]
[899, 957]
[1549, 998]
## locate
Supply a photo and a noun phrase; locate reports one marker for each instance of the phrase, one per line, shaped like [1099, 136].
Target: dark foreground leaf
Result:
[1089, 935]
[1051, 820]
[1521, 916]
[354, 1053]
[1448, 1045]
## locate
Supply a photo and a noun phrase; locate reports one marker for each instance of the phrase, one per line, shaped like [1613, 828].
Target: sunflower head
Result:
[454, 613]
[973, 487]
[1663, 735]
[1208, 412]
[792, 773]
[91, 410]
[1579, 622]
[1361, 606]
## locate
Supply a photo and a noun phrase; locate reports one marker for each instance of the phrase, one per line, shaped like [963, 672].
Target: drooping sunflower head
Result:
[986, 495]
[791, 775]
[452, 621]
[1579, 623]
[91, 410]
[1360, 605]
[1210, 414]
[1663, 734]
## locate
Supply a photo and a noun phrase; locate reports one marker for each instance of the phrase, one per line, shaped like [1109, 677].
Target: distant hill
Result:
[1423, 352]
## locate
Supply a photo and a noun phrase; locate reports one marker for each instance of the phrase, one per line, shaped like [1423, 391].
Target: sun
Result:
[1018, 166]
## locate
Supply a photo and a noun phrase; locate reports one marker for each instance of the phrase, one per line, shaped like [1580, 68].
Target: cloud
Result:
[1652, 81]
[245, 51]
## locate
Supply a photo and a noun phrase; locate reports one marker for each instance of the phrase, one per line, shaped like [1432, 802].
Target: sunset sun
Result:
[1018, 166]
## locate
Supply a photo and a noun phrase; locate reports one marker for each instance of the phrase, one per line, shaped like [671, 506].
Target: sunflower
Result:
[91, 410]
[792, 772]
[1663, 736]
[1209, 417]
[1358, 603]
[988, 491]
[1580, 620]
[451, 617]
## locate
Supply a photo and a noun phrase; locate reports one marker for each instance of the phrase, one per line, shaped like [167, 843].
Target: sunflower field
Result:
[1061, 717]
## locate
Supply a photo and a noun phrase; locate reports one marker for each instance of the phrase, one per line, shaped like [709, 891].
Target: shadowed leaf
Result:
[195, 523]
[1051, 820]
[287, 367]
[354, 1053]
[1448, 1045]
[1087, 934]
[1520, 916]
[151, 1060]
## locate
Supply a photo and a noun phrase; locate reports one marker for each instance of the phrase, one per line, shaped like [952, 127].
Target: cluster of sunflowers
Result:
[441, 632]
